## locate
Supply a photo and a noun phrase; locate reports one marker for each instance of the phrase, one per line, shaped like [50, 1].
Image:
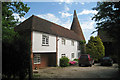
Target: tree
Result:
[8, 20]
[95, 48]
[15, 56]
[108, 19]
[82, 46]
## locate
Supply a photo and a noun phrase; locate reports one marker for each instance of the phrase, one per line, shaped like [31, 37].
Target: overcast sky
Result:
[61, 13]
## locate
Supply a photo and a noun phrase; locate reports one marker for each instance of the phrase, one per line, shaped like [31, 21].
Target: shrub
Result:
[64, 62]
[75, 60]
[95, 48]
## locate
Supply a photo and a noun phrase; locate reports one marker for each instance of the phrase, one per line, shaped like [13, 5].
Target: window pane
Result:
[63, 41]
[63, 55]
[72, 55]
[45, 40]
[36, 58]
[72, 43]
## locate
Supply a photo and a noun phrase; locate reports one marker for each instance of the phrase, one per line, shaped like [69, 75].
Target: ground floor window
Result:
[63, 55]
[72, 55]
[36, 58]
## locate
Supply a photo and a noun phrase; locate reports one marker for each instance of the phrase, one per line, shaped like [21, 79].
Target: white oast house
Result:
[49, 41]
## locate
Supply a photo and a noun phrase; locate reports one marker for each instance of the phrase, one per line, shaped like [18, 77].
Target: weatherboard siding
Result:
[67, 49]
[37, 46]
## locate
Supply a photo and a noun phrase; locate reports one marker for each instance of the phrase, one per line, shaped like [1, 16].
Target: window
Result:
[72, 55]
[63, 41]
[45, 40]
[78, 46]
[36, 58]
[72, 43]
[63, 55]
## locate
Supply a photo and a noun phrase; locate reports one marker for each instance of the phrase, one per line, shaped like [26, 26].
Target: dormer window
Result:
[63, 41]
[45, 40]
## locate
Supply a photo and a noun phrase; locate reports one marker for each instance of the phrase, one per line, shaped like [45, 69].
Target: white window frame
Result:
[45, 40]
[36, 58]
[63, 41]
[63, 55]
[72, 42]
[72, 55]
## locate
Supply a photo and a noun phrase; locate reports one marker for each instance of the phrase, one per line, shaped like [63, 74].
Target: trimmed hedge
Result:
[64, 62]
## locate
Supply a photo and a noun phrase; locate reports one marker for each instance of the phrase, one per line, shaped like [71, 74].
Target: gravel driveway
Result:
[96, 71]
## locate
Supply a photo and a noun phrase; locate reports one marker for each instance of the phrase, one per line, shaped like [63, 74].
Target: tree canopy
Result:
[108, 18]
[8, 20]
[95, 48]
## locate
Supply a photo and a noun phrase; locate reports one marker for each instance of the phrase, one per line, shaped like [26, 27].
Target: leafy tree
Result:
[108, 19]
[95, 48]
[8, 20]
[15, 56]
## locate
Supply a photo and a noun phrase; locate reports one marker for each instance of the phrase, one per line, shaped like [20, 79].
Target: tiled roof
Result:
[35, 23]
[76, 26]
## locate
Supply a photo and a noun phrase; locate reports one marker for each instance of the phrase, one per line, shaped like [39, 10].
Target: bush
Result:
[64, 62]
[75, 60]
[95, 48]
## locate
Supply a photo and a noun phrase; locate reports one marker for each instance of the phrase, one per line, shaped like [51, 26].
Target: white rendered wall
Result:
[67, 49]
[37, 43]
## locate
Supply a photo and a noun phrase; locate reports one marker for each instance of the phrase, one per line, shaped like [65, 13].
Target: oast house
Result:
[50, 42]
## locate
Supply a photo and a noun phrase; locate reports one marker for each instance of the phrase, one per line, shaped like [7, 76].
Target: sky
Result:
[61, 13]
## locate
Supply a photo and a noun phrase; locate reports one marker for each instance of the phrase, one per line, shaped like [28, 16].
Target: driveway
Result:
[96, 71]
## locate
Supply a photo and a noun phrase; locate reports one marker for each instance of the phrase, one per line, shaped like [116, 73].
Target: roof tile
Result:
[35, 23]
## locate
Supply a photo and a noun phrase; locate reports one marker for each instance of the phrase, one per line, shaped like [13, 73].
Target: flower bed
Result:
[73, 62]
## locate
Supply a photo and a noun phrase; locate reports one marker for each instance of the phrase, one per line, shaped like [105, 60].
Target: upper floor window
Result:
[36, 58]
[45, 40]
[78, 46]
[63, 41]
[72, 43]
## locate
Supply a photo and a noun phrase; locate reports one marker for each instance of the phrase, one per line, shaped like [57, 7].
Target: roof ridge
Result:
[35, 23]
[52, 23]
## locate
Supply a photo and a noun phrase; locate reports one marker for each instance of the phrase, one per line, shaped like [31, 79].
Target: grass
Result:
[36, 75]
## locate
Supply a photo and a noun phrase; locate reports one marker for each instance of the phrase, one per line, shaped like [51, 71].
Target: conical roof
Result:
[76, 26]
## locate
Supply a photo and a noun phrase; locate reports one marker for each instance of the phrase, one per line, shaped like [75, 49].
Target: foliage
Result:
[8, 20]
[82, 46]
[108, 19]
[15, 48]
[95, 48]
[82, 42]
[75, 60]
[64, 62]
[8, 9]
[16, 57]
